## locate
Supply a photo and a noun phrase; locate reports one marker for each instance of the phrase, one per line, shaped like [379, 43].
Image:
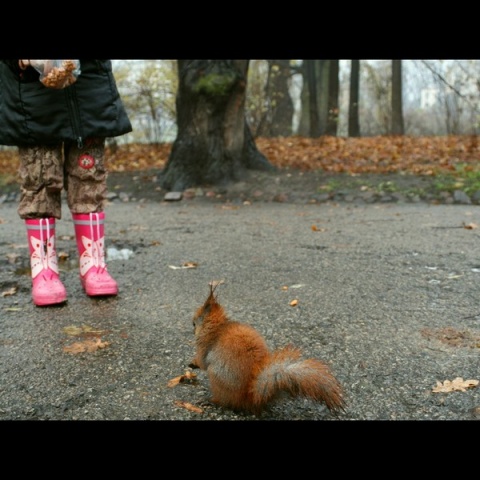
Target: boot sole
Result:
[45, 302]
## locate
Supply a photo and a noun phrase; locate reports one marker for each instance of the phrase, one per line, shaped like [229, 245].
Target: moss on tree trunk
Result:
[214, 144]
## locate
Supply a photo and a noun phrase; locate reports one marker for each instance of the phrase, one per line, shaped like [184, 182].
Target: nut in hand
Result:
[60, 77]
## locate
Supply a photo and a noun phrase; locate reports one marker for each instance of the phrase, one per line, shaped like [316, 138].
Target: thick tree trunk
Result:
[214, 144]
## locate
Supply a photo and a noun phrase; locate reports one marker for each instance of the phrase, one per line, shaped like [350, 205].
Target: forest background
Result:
[343, 116]
[352, 98]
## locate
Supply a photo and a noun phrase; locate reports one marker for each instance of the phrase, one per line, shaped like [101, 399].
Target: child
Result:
[60, 125]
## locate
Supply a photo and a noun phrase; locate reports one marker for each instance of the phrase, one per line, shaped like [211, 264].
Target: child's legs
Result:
[41, 181]
[86, 176]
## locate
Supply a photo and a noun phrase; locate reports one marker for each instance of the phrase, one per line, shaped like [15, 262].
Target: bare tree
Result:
[397, 101]
[277, 118]
[458, 88]
[353, 118]
[148, 90]
[376, 89]
[214, 144]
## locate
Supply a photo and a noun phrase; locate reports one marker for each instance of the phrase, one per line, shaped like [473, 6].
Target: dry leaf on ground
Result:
[9, 292]
[84, 330]
[458, 384]
[12, 257]
[184, 265]
[380, 154]
[188, 406]
[88, 346]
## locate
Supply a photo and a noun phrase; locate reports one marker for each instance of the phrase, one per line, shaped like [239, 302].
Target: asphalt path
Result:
[387, 294]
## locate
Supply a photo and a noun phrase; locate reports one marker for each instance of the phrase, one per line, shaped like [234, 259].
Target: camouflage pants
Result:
[47, 170]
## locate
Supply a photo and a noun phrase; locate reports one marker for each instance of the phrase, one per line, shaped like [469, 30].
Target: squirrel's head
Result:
[209, 310]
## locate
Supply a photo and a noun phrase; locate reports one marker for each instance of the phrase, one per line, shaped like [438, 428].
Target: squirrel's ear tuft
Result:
[213, 286]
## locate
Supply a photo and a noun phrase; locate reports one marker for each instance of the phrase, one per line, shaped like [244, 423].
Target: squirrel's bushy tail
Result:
[287, 372]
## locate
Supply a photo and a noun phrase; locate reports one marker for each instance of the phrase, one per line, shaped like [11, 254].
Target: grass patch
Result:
[344, 181]
[466, 177]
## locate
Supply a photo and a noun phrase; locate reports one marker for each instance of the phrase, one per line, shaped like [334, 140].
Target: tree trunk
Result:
[282, 103]
[317, 69]
[333, 90]
[322, 69]
[353, 118]
[312, 98]
[277, 120]
[304, 122]
[214, 145]
[397, 107]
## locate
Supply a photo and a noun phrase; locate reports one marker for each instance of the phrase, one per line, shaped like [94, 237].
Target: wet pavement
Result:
[386, 293]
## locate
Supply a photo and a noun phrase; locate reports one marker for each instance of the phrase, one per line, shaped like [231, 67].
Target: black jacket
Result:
[32, 114]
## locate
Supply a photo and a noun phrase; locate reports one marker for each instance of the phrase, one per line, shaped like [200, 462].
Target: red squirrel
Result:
[244, 374]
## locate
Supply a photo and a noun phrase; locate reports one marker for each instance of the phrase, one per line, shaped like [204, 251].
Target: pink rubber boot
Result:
[47, 288]
[89, 231]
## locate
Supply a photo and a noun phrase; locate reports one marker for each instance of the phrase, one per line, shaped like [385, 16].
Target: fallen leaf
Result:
[184, 265]
[76, 331]
[190, 265]
[294, 303]
[188, 406]
[88, 346]
[470, 226]
[62, 256]
[457, 384]
[9, 292]
[174, 381]
[12, 257]
[73, 330]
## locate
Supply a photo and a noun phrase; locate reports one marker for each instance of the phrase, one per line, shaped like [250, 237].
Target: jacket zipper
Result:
[72, 101]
